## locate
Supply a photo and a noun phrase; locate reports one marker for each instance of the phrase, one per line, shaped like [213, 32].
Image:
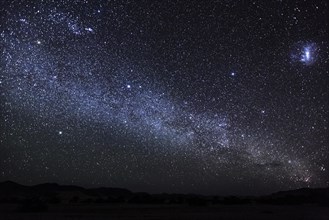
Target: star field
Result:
[203, 97]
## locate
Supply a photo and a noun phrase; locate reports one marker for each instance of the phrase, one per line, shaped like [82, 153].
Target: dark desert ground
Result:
[53, 201]
[129, 212]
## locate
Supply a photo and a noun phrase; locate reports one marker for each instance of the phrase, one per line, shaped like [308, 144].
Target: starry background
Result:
[213, 97]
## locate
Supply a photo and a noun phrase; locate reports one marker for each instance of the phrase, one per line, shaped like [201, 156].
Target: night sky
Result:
[212, 97]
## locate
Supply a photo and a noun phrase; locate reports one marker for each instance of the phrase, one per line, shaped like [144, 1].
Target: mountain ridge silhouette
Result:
[55, 193]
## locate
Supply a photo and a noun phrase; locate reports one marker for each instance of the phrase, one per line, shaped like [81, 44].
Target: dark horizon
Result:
[10, 183]
[53, 201]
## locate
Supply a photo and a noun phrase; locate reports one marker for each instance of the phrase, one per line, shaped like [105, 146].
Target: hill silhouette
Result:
[11, 192]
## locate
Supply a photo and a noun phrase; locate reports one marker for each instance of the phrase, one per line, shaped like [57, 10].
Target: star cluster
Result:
[165, 96]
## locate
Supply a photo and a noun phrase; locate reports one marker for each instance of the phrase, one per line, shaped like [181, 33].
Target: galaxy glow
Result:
[213, 97]
[308, 54]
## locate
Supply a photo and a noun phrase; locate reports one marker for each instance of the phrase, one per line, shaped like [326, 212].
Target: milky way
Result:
[125, 94]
